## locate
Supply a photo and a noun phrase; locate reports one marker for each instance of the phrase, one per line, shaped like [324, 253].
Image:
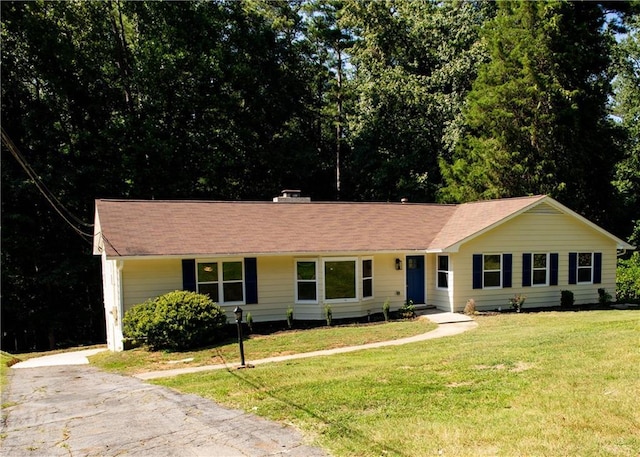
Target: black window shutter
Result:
[553, 278]
[507, 267]
[526, 270]
[251, 280]
[189, 275]
[597, 267]
[573, 267]
[477, 271]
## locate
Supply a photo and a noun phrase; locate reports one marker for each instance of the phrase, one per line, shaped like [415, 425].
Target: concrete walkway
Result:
[62, 359]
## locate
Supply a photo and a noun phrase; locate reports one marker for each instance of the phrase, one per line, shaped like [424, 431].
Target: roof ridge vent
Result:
[291, 196]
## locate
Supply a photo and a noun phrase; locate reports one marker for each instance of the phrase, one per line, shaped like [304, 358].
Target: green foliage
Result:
[178, 320]
[604, 297]
[628, 279]
[415, 64]
[537, 118]
[627, 109]
[138, 322]
[385, 310]
[407, 311]
[328, 314]
[290, 317]
[250, 322]
[566, 299]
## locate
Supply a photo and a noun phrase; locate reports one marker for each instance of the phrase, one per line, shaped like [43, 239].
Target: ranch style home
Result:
[269, 256]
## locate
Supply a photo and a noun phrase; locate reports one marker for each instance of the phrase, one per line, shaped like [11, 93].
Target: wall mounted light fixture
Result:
[398, 264]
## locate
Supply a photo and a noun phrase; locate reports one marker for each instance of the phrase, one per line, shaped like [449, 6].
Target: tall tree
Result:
[329, 41]
[414, 63]
[537, 118]
[627, 109]
[134, 99]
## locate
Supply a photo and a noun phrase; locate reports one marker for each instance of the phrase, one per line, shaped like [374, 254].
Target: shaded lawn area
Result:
[552, 383]
[262, 346]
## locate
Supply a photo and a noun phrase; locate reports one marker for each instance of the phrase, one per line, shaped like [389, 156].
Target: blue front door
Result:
[415, 278]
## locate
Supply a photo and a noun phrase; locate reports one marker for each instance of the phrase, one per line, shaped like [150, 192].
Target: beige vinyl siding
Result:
[534, 232]
[148, 278]
[144, 279]
[275, 290]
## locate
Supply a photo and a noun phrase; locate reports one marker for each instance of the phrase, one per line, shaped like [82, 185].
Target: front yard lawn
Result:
[552, 383]
[261, 346]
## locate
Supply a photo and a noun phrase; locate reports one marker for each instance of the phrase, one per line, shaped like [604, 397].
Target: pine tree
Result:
[537, 119]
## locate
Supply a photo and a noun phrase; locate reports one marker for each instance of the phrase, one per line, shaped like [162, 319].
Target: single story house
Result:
[268, 256]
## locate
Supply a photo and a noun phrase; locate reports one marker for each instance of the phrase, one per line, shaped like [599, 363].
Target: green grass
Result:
[5, 360]
[261, 346]
[520, 384]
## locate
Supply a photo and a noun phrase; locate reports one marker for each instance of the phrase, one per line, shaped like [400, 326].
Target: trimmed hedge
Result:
[178, 320]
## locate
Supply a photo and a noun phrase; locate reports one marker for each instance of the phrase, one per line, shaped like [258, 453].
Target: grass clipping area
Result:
[521, 384]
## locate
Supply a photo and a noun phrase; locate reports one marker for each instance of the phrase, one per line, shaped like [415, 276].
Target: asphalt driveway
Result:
[77, 410]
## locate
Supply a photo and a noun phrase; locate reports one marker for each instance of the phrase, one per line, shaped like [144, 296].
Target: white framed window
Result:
[208, 280]
[340, 279]
[306, 271]
[367, 278]
[223, 281]
[540, 269]
[585, 267]
[443, 272]
[492, 271]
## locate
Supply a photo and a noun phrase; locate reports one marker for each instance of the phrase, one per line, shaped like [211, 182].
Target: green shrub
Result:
[328, 314]
[178, 320]
[137, 323]
[290, 317]
[566, 298]
[408, 310]
[628, 279]
[604, 297]
[385, 310]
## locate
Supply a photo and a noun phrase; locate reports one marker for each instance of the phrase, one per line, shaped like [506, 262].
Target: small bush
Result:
[408, 311]
[178, 320]
[290, 317]
[517, 301]
[604, 297]
[385, 310]
[328, 314]
[566, 299]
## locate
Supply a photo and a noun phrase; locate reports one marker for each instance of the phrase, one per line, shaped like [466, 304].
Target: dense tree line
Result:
[350, 100]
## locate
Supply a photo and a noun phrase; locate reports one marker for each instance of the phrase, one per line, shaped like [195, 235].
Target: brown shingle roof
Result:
[203, 228]
[470, 219]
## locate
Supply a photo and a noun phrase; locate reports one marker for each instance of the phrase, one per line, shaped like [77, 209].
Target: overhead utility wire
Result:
[34, 176]
[48, 195]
